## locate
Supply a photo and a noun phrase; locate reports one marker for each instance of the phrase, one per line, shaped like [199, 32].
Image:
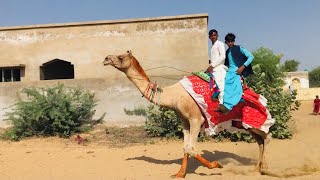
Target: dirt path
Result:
[54, 158]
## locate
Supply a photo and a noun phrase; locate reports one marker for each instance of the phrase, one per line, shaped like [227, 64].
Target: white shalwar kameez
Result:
[218, 56]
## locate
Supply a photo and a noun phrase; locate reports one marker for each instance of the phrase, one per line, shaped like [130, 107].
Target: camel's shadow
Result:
[223, 157]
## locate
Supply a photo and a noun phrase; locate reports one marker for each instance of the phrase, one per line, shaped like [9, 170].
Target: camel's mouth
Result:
[107, 61]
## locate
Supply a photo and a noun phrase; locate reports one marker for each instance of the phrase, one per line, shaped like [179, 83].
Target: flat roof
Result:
[12, 65]
[92, 23]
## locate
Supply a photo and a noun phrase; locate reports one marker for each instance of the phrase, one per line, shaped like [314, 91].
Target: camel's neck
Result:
[138, 80]
[143, 83]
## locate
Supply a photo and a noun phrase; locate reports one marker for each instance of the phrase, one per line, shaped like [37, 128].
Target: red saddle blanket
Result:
[249, 113]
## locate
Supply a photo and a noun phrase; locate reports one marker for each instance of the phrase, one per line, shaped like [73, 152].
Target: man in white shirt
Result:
[217, 59]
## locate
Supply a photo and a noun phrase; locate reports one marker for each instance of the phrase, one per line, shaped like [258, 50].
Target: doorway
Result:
[56, 69]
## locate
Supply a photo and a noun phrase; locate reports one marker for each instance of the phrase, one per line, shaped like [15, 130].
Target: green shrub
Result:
[314, 77]
[160, 122]
[138, 111]
[58, 111]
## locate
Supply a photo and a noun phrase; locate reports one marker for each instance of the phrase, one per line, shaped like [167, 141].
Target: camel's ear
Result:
[129, 53]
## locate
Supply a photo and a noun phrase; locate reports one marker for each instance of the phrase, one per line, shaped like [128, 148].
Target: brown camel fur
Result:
[177, 98]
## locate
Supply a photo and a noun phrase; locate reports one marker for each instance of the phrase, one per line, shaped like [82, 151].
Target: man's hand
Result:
[240, 69]
[210, 69]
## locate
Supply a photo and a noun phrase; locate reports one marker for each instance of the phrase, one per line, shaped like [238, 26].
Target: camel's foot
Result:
[263, 166]
[210, 165]
[215, 164]
[178, 175]
[255, 169]
[260, 167]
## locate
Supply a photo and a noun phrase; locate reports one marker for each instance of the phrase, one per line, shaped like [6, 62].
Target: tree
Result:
[290, 65]
[268, 81]
[270, 65]
[314, 77]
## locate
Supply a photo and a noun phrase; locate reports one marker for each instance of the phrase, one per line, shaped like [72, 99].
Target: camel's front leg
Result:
[186, 134]
[183, 169]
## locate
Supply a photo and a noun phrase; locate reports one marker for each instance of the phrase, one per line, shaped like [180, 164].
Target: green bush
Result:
[53, 111]
[237, 136]
[314, 77]
[160, 122]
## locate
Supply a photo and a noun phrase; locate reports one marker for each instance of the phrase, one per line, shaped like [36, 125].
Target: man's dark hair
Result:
[230, 37]
[212, 31]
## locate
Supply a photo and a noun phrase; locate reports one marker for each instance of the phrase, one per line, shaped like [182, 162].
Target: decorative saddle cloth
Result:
[251, 113]
[208, 77]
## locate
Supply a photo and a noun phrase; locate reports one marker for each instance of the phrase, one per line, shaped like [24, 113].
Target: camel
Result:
[178, 99]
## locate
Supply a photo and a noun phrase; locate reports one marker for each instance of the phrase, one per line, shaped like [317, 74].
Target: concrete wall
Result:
[308, 94]
[179, 42]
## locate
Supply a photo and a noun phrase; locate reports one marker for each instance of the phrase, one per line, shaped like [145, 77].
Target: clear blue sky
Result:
[291, 27]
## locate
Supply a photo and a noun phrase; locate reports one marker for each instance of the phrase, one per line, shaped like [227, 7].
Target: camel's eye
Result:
[121, 59]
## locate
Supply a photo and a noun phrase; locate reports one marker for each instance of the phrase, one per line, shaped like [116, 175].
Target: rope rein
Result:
[167, 67]
[153, 90]
[153, 93]
[160, 67]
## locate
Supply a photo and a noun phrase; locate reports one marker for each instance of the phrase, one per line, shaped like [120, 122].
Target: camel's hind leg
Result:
[191, 130]
[262, 139]
[194, 131]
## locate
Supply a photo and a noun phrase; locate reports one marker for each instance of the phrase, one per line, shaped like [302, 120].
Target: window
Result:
[56, 69]
[9, 74]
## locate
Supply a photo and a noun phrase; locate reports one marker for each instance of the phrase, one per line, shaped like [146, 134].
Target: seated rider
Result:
[238, 60]
[217, 60]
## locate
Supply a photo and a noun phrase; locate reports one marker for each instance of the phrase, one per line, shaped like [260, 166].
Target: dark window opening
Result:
[10, 74]
[56, 69]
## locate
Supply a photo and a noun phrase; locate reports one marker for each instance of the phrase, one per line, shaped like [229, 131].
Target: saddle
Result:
[208, 77]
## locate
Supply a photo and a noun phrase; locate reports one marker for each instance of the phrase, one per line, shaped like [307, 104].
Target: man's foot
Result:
[223, 109]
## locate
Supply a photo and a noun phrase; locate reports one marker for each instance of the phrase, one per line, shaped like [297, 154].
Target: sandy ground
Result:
[63, 159]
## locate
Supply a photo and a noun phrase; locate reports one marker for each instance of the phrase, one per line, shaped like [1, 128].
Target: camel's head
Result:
[120, 62]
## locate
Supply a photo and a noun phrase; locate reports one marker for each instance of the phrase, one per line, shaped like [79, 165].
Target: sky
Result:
[289, 27]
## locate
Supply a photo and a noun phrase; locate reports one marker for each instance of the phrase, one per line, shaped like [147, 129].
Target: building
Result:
[72, 53]
[297, 80]
[300, 81]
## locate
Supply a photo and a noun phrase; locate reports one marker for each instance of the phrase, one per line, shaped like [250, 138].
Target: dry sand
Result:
[63, 159]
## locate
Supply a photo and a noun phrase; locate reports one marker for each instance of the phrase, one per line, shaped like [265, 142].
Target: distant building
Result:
[297, 80]
[300, 81]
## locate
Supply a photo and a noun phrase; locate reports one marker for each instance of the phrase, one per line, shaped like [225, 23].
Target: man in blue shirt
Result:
[238, 60]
